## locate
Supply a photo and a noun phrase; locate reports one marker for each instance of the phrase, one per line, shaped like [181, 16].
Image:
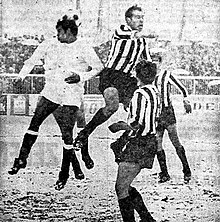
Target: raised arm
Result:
[35, 59]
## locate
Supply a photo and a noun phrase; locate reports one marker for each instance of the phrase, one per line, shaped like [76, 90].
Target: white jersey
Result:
[60, 60]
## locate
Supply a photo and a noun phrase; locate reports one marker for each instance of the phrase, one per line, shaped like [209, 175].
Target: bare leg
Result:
[102, 115]
[129, 198]
[126, 174]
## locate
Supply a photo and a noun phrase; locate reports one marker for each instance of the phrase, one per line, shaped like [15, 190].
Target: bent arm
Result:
[94, 63]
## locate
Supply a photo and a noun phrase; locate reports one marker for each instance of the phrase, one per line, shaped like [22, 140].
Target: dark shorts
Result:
[140, 150]
[124, 83]
[65, 117]
[167, 118]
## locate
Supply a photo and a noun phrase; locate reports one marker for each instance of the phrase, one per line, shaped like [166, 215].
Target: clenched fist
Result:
[187, 106]
[74, 78]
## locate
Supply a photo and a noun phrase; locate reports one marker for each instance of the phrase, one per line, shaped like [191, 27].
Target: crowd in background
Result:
[196, 58]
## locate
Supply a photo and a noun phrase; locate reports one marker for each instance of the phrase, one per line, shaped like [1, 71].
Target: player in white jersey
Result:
[68, 63]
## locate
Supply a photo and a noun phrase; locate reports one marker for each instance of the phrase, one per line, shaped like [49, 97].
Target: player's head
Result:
[134, 17]
[145, 72]
[67, 29]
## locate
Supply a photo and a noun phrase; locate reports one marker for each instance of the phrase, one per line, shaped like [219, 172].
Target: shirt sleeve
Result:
[35, 59]
[38, 55]
[175, 81]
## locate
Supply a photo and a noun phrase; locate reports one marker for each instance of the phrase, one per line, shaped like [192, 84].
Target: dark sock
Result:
[182, 155]
[139, 205]
[75, 163]
[64, 173]
[28, 142]
[161, 157]
[97, 120]
[127, 209]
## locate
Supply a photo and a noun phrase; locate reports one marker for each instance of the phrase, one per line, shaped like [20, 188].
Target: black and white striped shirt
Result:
[143, 110]
[126, 50]
[163, 82]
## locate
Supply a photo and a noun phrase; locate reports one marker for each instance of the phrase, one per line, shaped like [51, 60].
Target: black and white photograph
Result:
[110, 110]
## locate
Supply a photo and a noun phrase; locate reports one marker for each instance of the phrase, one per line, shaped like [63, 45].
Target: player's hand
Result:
[121, 125]
[187, 106]
[74, 78]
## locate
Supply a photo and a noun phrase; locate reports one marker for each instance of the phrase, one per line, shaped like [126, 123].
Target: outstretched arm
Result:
[35, 59]
[183, 90]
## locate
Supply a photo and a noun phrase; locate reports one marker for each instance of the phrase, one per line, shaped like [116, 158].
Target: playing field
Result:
[30, 195]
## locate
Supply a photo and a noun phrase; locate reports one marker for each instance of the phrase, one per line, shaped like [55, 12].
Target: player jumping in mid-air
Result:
[68, 63]
[116, 81]
[66, 120]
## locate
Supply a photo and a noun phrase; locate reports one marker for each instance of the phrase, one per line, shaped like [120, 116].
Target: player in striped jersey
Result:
[167, 121]
[141, 147]
[116, 82]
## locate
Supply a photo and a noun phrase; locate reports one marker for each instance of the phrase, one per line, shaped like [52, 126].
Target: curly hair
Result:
[146, 71]
[69, 23]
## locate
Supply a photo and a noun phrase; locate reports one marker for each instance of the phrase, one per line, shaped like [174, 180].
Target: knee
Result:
[159, 143]
[111, 100]
[120, 191]
[112, 108]
[172, 130]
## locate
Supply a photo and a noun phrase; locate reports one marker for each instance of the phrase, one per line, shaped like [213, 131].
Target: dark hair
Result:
[146, 71]
[129, 12]
[70, 23]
